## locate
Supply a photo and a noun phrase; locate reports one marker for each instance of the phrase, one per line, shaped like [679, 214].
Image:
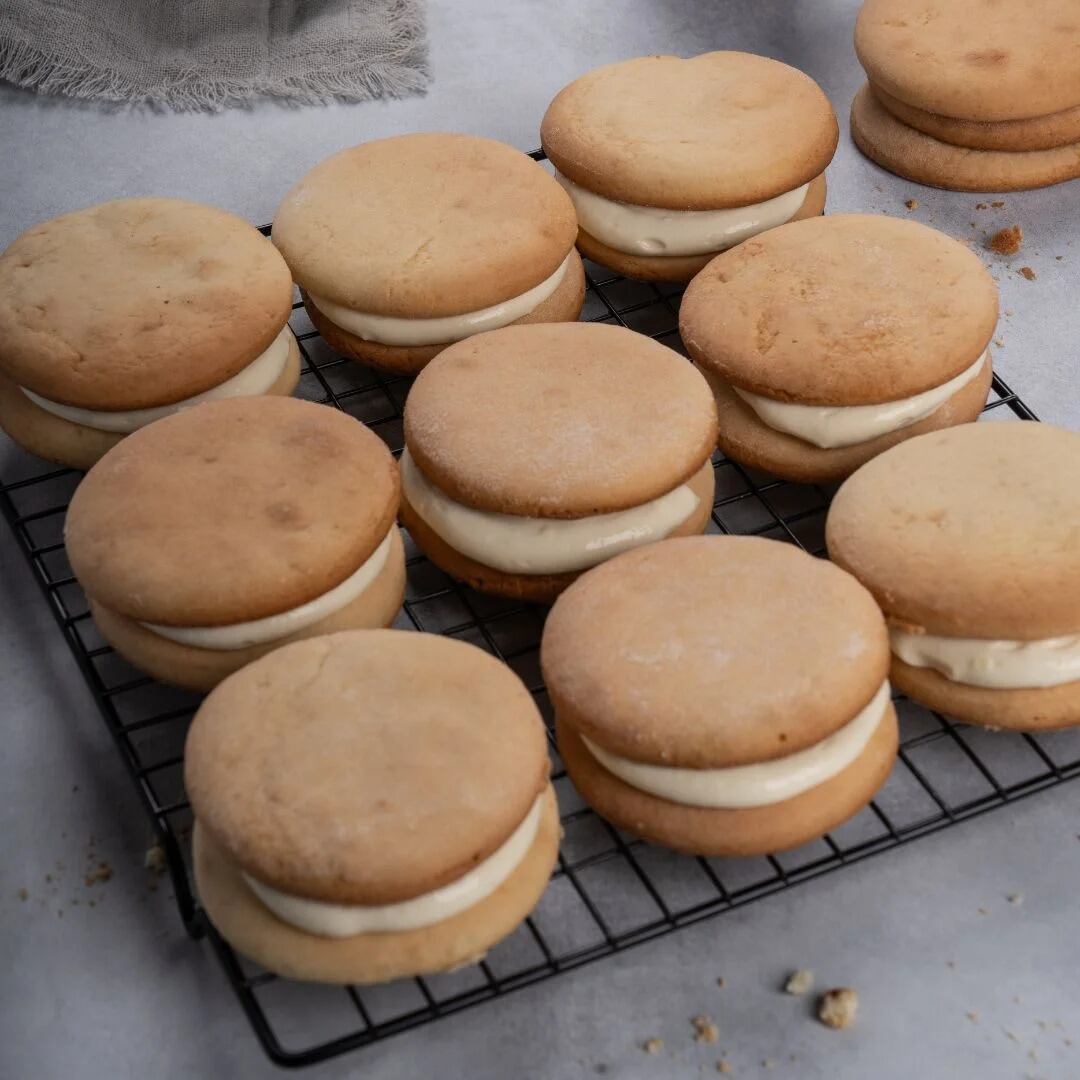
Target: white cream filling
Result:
[347, 920]
[256, 378]
[258, 631]
[993, 664]
[655, 230]
[761, 784]
[391, 330]
[530, 545]
[832, 426]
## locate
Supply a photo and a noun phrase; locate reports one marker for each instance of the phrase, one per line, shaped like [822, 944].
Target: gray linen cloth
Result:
[208, 54]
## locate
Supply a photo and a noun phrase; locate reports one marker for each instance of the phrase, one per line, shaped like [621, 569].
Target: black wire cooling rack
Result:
[609, 891]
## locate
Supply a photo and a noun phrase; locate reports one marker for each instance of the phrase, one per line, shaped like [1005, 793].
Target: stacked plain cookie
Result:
[971, 95]
[671, 160]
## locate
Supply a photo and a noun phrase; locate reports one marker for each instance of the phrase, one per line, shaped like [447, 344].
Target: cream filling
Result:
[391, 330]
[347, 920]
[256, 378]
[832, 426]
[761, 784]
[259, 631]
[989, 663]
[531, 545]
[655, 230]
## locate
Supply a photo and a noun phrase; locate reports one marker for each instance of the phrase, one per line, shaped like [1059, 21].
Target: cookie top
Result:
[231, 510]
[138, 302]
[848, 309]
[969, 532]
[421, 226]
[711, 651]
[717, 130]
[974, 59]
[559, 420]
[366, 767]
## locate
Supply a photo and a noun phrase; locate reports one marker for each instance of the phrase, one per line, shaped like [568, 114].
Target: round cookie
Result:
[826, 341]
[721, 695]
[114, 315]
[907, 152]
[967, 538]
[669, 160]
[404, 245]
[1038, 133]
[679, 268]
[210, 537]
[363, 772]
[534, 452]
[973, 59]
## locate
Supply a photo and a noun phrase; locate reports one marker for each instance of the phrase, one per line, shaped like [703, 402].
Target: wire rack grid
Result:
[609, 891]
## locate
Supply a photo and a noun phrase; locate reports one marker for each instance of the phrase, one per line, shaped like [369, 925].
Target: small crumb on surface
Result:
[23, 895]
[799, 982]
[1027, 272]
[984, 911]
[705, 1031]
[723, 1066]
[998, 205]
[721, 982]
[999, 343]
[982, 206]
[912, 204]
[1016, 899]
[950, 963]
[653, 1045]
[1011, 1035]
[972, 1015]
[1007, 241]
[837, 1007]
[102, 872]
[768, 1063]
[154, 859]
[1033, 1056]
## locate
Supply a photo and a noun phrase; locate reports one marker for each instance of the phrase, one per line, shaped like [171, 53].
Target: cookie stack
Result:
[970, 95]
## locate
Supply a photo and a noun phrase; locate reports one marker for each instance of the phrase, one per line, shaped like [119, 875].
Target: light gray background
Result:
[118, 990]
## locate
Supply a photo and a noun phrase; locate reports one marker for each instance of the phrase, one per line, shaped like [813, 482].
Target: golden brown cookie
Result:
[973, 59]
[344, 779]
[534, 452]
[235, 523]
[679, 268]
[968, 539]
[1038, 133]
[907, 152]
[132, 305]
[409, 243]
[721, 694]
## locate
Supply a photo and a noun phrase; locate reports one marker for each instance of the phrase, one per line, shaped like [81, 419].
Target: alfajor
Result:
[970, 541]
[828, 341]
[216, 535]
[535, 452]
[117, 315]
[671, 160]
[721, 695]
[402, 246]
[971, 95]
[370, 805]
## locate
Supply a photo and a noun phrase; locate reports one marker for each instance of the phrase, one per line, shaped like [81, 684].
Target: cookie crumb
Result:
[837, 1007]
[154, 859]
[705, 1031]
[999, 343]
[1059, 257]
[768, 1063]
[102, 872]
[982, 206]
[1007, 241]
[23, 895]
[721, 982]
[998, 205]
[724, 1066]
[984, 911]
[972, 1015]
[1016, 899]
[1026, 271]
[653, 1045]
[912, 204]
[799, 982]
[1011, 1035]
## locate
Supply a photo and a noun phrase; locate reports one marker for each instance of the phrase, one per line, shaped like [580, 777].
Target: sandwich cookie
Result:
[970, 541]
[971, 96]
[401, 246]
[721, 695]
[535, 452]
[115, 316]
[671, 160]
[221, 533]
[370, 805]
[828, 341]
